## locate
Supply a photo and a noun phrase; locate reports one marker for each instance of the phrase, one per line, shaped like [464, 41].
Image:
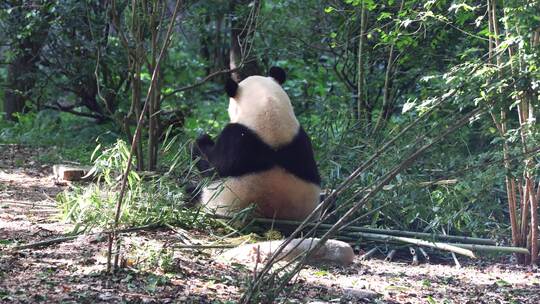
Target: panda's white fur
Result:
[277, 194]
[262, 105]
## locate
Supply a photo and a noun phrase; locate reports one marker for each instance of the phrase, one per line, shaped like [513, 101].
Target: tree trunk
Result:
[21, 71]
[19, 83]
[360, 103]
[205, 44]
[242, 33]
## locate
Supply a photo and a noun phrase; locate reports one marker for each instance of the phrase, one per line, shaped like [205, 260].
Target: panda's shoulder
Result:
[239, 133]
[236, 129]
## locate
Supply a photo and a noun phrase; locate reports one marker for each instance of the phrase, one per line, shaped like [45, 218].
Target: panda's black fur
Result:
[239, 151]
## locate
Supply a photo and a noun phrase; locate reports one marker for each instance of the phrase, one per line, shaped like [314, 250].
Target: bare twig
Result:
[69, 109]
[204, 80]
[44, 243]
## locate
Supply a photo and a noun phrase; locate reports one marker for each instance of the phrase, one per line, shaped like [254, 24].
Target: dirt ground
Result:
[73, 271]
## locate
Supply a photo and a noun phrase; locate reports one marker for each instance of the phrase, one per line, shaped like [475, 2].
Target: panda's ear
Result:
[278, 74]
[231, 87]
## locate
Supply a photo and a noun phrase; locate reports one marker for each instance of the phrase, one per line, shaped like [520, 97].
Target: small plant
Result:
[148, 256]
[149, 199]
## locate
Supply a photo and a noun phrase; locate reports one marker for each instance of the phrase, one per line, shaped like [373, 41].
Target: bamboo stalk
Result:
[360, 81]
[436, 245]
[390, 255]
[259, 279]
[204, 246]
[475, 247]
[534, 221]
[383, 116]
[369, 254]
[489, 248]
[442, 237]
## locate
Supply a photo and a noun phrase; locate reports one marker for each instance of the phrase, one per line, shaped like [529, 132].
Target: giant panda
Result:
[263, 156]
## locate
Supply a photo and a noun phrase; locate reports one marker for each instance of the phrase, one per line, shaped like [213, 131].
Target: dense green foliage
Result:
[415, 56]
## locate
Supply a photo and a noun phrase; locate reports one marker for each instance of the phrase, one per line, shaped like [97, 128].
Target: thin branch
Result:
[205, 79]
[70, 110]
[66, 238]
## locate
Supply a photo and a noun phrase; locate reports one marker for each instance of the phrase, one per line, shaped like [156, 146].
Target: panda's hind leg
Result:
[224, 197]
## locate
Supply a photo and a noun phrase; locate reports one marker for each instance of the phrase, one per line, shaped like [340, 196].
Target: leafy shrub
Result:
[150, 199]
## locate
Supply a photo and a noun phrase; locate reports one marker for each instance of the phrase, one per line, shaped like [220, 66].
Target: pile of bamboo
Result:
[462, 245]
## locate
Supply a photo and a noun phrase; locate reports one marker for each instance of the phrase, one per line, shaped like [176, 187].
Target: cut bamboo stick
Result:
[414, 255]
[369, 254]
[424, 253]
[390, 255]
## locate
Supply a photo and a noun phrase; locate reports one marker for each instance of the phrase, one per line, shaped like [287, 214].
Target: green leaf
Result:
[502, 283]
[384, 15]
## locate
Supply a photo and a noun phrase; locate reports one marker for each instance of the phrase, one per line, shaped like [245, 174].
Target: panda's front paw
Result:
[204, 141]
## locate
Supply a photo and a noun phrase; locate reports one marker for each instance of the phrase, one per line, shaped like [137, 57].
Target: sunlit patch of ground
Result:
[403, 283]
[27, 206]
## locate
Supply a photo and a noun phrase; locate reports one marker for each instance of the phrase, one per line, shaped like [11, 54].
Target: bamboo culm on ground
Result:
[469, 243]
[442, 237]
